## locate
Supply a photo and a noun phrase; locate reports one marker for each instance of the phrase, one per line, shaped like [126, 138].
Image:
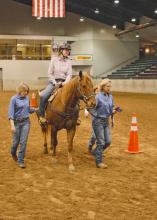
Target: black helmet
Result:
[65, 46]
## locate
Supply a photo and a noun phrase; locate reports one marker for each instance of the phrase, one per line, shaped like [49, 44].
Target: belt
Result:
[21, 120]
[60, 80]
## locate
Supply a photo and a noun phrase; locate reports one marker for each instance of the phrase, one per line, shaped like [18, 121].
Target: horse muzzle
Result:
[91, 103]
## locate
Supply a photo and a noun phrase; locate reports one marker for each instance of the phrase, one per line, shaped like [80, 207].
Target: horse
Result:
[63, 112]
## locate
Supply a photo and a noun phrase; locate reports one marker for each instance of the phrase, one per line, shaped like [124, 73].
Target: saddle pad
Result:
[53, 96]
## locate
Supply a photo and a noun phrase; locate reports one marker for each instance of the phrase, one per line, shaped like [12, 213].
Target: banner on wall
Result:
[48, 8]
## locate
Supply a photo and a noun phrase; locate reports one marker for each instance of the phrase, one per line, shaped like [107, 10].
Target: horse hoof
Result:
[71, 168]
[45, 151]
[54, 160]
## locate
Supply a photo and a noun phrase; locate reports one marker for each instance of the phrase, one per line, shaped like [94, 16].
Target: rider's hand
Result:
[60, 84]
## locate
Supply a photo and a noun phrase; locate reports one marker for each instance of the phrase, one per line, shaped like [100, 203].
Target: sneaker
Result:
[102, 165]
[21, 165]
[14, 157]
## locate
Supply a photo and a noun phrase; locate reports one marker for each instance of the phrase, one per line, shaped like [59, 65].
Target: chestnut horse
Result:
[63, 111]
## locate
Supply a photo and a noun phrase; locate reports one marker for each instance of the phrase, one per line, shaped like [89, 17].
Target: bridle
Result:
[84, 97]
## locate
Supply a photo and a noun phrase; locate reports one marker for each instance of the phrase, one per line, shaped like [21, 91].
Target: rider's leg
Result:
[44, 96]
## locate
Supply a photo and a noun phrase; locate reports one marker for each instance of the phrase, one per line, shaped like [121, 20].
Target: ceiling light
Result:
[81, 19]
[137, 35]
[133, 19]
[38, 18]
[116, 1]
[114, 26]
[147, 50]
[155, 11]
[96, 11]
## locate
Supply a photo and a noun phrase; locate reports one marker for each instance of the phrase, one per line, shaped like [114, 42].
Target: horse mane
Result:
[73, 83]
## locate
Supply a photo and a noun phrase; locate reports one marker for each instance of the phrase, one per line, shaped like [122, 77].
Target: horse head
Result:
[85, 89]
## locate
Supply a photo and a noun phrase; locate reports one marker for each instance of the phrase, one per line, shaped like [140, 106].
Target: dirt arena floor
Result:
[127, 190]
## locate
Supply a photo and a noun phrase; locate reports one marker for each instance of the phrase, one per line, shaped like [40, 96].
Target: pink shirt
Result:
[60, 68]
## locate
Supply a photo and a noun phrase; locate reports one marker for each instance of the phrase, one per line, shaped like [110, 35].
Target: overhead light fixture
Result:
[96, 11]
[137, 35]
[155, 11]
[38, 18]
[133, 19]
[114, 26]
[147, 50]
[116, 1]
[81, 19]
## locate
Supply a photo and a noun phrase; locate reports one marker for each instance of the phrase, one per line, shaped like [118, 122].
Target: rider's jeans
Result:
[44, 96]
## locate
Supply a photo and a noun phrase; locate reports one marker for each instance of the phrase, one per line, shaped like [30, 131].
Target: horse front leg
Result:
[44, 132]
[70, 137]
[53, 143]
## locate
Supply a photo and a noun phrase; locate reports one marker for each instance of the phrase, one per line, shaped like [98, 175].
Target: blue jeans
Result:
[20, 138]
[44, 96]
[92, 141]
[103, 137]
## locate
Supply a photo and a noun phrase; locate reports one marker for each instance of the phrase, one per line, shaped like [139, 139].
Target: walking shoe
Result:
[102, 165]
[21, 165]
[14, 157]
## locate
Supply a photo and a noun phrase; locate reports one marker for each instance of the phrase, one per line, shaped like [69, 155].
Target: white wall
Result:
[93, 38]
[28, 71]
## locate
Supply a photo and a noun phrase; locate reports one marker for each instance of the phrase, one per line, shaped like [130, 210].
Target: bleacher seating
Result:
[142, 68]
[149, 73]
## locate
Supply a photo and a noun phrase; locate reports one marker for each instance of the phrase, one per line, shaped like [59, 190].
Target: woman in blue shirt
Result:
[19, 110]
[100, 121]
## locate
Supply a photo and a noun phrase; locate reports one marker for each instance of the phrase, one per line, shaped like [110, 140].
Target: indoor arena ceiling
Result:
[110, 11]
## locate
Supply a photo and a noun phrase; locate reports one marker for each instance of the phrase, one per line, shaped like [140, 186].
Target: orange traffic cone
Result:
[133, 146]
[34, 101]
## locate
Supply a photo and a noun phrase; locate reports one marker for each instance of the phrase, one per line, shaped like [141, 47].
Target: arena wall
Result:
[135, 85]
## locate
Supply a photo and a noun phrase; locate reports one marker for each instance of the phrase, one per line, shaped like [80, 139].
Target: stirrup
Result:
[42, 120]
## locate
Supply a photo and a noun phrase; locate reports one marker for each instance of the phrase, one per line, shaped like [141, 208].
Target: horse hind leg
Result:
[70, 137]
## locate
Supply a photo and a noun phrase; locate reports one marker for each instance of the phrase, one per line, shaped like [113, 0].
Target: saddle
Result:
[53, 95]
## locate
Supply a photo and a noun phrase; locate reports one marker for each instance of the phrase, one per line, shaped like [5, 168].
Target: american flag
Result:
[48, 8]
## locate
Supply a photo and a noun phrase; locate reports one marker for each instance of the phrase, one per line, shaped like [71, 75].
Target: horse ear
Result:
[80, 74]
